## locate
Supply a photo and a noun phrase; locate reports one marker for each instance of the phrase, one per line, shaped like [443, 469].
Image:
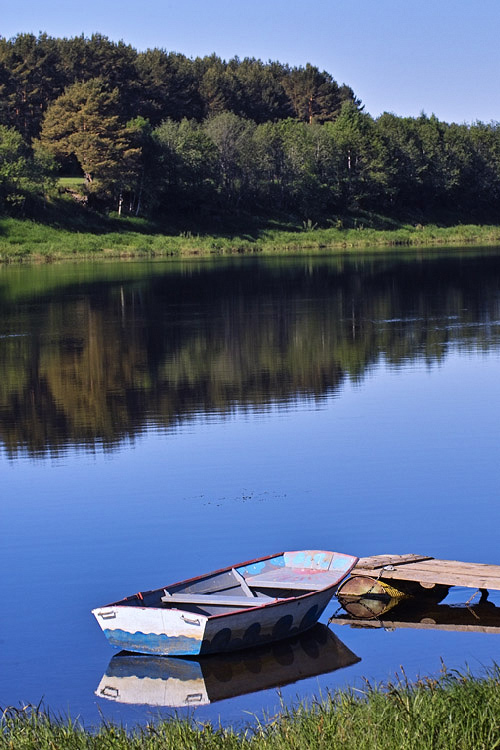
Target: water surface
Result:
[160, 420]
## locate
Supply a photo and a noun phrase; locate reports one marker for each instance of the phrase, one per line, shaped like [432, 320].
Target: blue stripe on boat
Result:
[253, 568]
[153, 643]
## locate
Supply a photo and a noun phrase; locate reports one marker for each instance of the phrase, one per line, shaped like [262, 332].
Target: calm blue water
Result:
[162, 421]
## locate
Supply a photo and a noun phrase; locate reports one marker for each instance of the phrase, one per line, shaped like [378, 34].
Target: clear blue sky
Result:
[401, 56]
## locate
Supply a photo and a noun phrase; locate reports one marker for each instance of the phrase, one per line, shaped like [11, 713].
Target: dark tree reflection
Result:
[93, 358]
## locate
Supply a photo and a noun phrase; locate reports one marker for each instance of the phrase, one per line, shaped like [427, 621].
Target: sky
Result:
[440, 57]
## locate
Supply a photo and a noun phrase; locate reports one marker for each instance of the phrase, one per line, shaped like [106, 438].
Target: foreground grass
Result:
[91, 237]
[455, 711]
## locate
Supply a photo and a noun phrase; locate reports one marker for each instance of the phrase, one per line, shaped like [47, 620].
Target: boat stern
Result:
[149, 630]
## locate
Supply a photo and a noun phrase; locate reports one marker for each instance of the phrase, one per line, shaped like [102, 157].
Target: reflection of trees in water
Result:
[97, 367]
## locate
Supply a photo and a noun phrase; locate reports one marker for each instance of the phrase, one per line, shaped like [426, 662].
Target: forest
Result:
[158, 134]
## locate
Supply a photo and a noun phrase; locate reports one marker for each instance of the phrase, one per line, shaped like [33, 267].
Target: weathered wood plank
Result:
[244, 585]
[432, 563]
[212, 582]
[378, 561]
[294, 585]
[409, 572]
[440, 577]
[228, 601]
[294, 579]
[430, 571]
[486, 571]
[452, 565]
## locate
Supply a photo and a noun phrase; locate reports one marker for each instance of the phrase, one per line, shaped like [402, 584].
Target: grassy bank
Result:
[452, 712]
[96, 237]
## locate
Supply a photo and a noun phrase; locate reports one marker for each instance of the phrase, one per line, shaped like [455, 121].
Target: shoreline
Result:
[452, 710]
[25, 240]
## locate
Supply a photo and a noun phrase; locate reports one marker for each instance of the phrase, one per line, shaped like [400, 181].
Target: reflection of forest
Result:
[97, 361]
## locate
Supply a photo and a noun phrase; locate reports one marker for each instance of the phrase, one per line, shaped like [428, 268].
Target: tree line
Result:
[157, 133]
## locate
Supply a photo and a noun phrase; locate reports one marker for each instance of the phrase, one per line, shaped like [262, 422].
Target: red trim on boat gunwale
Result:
[224, 570]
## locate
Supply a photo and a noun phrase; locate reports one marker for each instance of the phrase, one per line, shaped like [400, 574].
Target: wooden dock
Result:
[428, 572]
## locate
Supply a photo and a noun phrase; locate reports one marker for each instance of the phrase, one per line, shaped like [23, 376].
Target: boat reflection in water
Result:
[178, 682]
[390, 614]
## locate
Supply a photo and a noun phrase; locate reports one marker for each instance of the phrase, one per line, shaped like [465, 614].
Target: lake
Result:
[159, 420]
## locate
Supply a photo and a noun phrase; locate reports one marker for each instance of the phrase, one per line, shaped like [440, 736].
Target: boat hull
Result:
[257, 627]
[148, 630]
[141, 624]
[176, 633]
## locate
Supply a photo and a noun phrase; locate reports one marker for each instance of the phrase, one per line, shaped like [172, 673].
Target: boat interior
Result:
[220, 593]
[233, 589]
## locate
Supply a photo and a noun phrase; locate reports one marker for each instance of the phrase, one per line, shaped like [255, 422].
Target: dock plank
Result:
[378, 561]
[429, 570]
[458, 570]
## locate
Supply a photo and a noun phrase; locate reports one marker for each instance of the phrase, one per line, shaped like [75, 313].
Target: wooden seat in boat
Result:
[226, 601]
[293, 578]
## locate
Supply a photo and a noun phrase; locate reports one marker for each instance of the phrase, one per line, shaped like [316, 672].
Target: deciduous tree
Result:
[24, 175]
[83, 122]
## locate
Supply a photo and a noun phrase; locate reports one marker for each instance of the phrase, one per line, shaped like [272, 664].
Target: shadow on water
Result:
[180, 682]
[94, 355]
[378, 612]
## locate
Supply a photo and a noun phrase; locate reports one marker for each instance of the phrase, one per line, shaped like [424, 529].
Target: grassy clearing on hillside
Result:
[453, 712]
[72, 183]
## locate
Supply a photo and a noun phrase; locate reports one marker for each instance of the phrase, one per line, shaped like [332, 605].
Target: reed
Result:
[455, 711]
